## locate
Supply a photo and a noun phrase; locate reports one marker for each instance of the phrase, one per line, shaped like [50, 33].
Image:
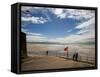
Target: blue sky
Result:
[58, 25]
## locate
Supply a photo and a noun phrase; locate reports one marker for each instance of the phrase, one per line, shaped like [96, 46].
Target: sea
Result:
[86, 52]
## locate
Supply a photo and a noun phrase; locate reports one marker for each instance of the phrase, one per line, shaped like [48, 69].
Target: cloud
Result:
[36, 38]
[34, 20]
[33, 34]
[73, 13]
[85, 33]
[86, 24]
[58, 12]
[35, 15]
[61, 13]
[86, 28]
[80, 14]
[82, 31]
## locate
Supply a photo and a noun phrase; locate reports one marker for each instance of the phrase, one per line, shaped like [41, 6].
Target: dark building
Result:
[23, 45]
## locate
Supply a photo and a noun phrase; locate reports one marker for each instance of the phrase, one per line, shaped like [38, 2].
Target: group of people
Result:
[75, 55]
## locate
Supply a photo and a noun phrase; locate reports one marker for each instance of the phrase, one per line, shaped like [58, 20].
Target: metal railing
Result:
[85, 59]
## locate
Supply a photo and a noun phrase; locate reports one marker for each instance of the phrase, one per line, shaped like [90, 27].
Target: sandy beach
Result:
[50, 62]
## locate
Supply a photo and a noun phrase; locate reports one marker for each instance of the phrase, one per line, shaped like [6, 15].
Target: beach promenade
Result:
[50, 62]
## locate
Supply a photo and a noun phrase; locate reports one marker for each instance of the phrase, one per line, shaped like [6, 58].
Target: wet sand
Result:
[50, 62]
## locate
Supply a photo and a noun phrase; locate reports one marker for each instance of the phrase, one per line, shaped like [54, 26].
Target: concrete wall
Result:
[23, 45]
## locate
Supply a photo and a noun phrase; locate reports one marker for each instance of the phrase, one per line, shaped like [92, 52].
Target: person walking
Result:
[76, 57]
[47, 53]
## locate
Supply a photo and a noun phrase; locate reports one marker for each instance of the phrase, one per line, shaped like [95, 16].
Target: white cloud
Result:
[33, 37]
[27, 15]
[58, 12]
[78, 38]
[72, 13]
[33, 34]
[74, 39]
[86, 24]
[36, 38]
[61, 13]
[86, 33]
[82, 31]
[35, 20]
[80, 14]
[86, 29]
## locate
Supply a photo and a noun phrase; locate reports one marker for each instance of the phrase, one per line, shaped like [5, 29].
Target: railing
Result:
[85, 59]
[80, 58]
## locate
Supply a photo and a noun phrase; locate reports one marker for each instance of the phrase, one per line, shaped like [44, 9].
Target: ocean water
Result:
[84, 50]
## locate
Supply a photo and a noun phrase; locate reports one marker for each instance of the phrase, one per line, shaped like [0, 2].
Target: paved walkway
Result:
[50, 62]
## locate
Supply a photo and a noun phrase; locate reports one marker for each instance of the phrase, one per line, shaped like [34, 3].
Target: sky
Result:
[58, 25]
